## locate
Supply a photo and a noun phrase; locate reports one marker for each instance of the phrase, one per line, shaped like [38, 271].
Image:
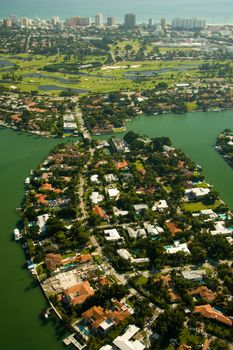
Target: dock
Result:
[72, 340]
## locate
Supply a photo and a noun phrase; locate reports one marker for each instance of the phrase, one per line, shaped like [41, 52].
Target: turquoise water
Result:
[214, 11]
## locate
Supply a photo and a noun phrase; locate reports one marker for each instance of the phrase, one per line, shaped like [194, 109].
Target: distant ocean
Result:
[214, 11]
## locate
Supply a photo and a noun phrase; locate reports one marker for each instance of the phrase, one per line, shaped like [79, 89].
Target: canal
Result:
[21, 300]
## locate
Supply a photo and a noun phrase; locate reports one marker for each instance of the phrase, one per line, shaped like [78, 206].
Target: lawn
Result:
[141, 281]
[198, 206]
[189, 339]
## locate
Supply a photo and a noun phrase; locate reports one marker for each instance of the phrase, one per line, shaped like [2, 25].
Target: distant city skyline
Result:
[221, 12]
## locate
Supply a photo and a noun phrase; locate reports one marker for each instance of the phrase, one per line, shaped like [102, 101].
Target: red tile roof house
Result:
[79, 293]
[208, 312]
[103, 320]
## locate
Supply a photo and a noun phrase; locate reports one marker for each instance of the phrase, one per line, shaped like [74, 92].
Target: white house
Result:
[221, 229]
[140, 207]
[113, 193]
[41, 222]
[112, 235]
[177, 247]
[95, 178]
[96, 197]
[125, 342]
[197, 192]
[161, 205]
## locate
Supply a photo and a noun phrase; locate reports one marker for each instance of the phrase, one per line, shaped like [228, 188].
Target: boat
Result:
[17, 234]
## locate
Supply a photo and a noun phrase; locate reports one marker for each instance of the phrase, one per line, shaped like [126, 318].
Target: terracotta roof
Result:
[41, 198]
[204, 293]
[100, 212]
[16, 117]
[104, 281]
[173, 228]
[79, 258]
[121, 165]
[174, 297]
[118, 316]
[84, 258]
[166, 279]
[206, 344]
[49, 187]
[95, 316]
[80, 292]
[208, 312]
[39, 110]
[185, 347]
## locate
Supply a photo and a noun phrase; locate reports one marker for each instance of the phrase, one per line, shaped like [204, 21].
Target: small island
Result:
[129, 243]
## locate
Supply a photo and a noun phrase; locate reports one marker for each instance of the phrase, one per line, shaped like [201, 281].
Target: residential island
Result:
[131, 246]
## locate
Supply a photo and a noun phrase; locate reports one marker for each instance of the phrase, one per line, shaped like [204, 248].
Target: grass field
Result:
[196, 207]
[103, 79]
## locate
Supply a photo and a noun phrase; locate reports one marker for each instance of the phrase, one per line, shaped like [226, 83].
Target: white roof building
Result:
[95, 178]
[119, 212]
[124, 341]
[197, 192]
[177, 247]
[139, 207]
[41, 222]
[112, 235]
[113, 192]
[106, 347]
[125, 254]
[96, 197]
[153, 230]
[193, 275]
[221, 229]
[210, 213]
[160, 205]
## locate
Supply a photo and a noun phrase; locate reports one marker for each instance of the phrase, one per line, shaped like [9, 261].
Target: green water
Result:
[21, 302]
[195, 134]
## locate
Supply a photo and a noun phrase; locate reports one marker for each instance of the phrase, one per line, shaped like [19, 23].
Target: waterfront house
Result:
[79, 293]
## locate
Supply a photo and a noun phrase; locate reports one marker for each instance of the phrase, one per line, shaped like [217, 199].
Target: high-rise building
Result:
[84, 22]
[8, 22]
[130, 20]
[150, 22]
[59, 26]
[54, 20]
[163, 23]
[26, 22]
[72, 22]
[188, 24]
[99, 20]
[14, 20]
[111, 21]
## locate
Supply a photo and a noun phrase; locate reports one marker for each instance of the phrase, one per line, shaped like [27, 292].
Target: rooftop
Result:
[208, 312]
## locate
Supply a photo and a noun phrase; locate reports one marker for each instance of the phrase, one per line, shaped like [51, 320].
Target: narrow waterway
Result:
[22, 301]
